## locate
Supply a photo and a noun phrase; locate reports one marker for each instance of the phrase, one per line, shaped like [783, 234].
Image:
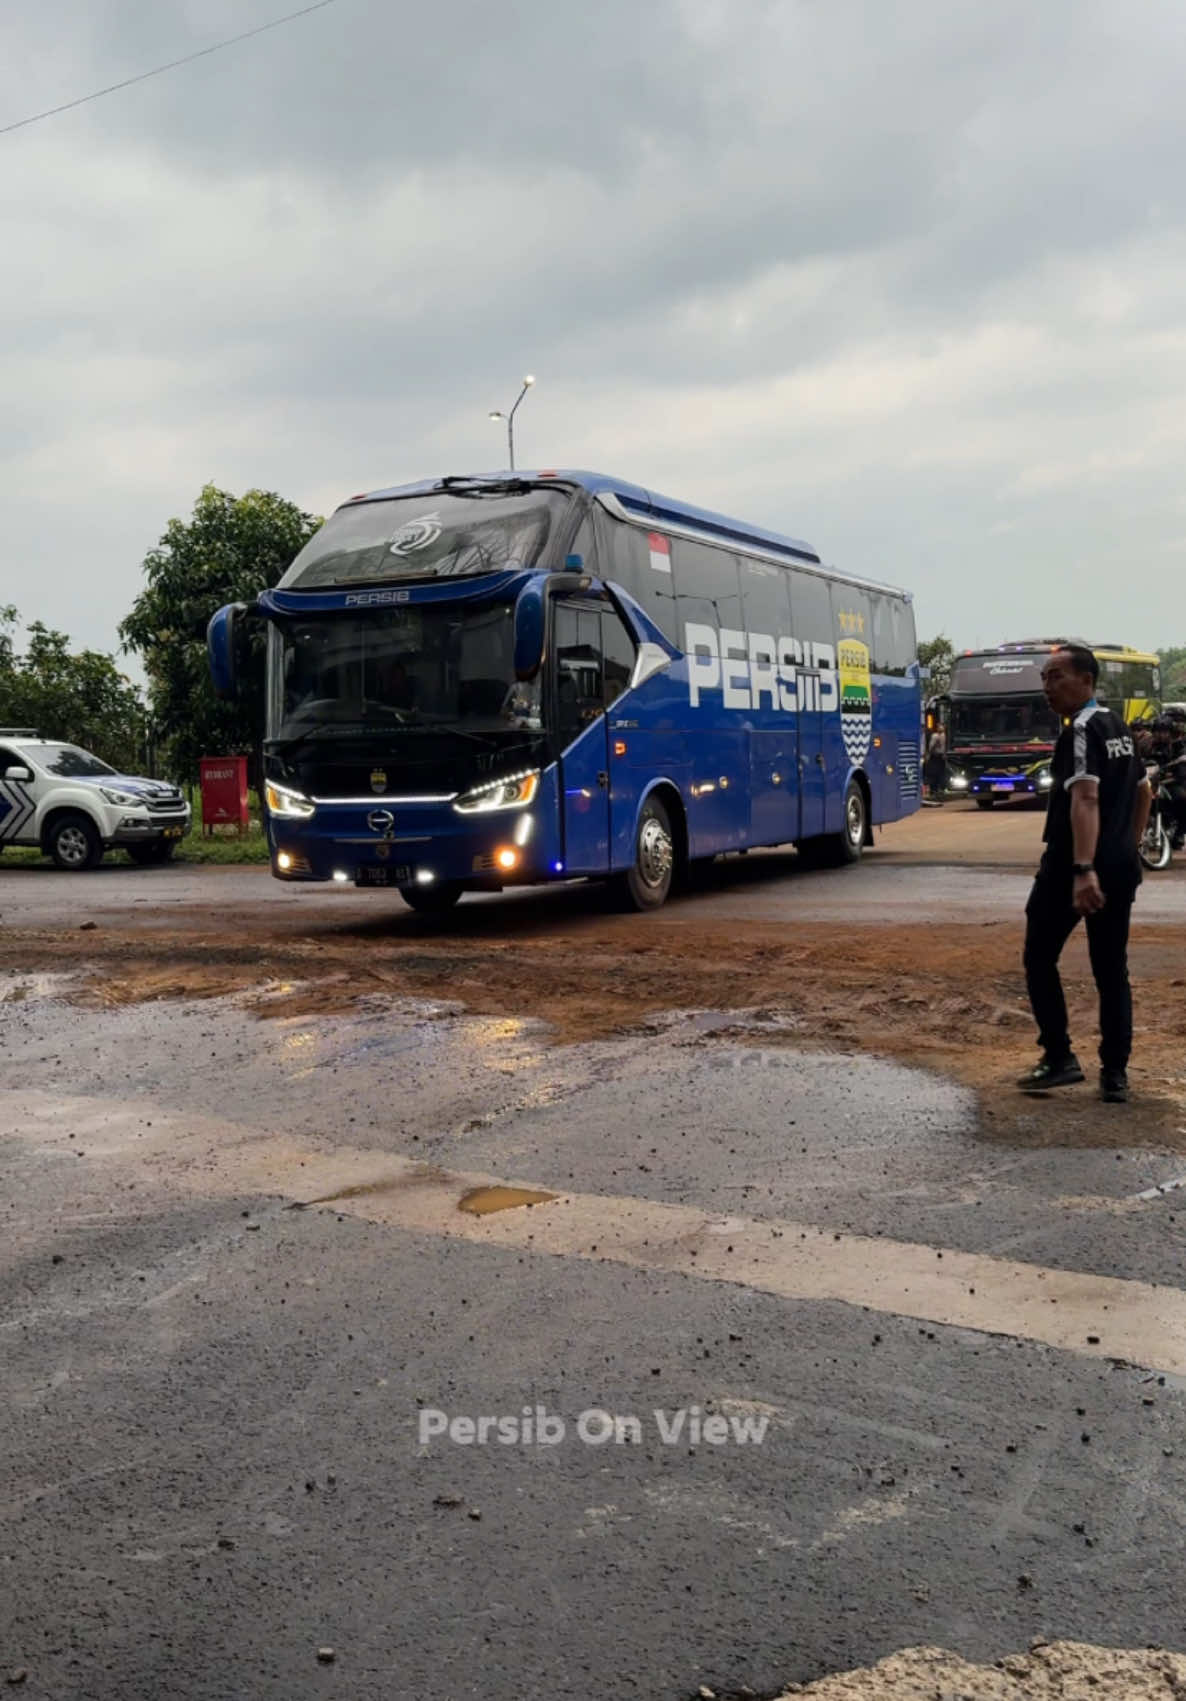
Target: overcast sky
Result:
[901, 277]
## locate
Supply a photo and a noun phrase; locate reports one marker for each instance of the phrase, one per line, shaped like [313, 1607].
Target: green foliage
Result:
[80, 697]
[938, 654]
[231, 549]
[1173, 674]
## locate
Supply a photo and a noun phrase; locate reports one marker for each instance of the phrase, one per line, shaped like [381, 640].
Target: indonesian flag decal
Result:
[660, 550]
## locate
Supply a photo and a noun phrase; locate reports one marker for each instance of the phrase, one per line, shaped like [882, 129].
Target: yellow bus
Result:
[1129, 682]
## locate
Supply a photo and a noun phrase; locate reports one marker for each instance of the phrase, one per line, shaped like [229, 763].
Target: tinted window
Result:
[441, 534]
[576, 639]
[617, 655]
[893, 633]
[625, 556]
[706, 586]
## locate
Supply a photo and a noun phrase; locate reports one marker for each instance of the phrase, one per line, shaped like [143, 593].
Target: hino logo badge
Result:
[381, 820]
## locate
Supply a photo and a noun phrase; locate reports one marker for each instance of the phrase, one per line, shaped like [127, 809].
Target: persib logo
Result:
[782, 672]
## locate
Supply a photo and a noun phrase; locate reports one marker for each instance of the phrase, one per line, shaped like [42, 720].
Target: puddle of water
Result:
[482, 1201]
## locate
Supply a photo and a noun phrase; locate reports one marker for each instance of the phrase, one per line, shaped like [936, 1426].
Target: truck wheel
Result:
[146, 855]
[432, 900]
[645, 885]
[74, 842]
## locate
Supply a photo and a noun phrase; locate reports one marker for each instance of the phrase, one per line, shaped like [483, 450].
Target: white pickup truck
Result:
[73, 807]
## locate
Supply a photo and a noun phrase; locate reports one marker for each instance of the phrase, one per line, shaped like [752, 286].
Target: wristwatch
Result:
[1083, 868]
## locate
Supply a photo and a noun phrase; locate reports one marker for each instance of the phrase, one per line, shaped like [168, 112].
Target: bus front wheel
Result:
[432, 900]
[645, 886]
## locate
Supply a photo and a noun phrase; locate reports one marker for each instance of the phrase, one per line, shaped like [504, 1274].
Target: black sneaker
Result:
[1113, 1086]
[1051, 1073]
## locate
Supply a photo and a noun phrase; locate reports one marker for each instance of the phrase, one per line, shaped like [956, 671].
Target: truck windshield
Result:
[473, 529]
[402, 670]
[1011, 720]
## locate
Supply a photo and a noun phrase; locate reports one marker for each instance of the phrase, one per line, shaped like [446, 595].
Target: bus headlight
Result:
[512, 793]
[1045, 780]
[290, 805]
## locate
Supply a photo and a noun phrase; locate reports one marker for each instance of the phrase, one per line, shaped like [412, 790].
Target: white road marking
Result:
[1095, 1316]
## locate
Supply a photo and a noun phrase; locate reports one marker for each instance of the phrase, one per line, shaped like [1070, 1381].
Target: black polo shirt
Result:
[1096, 746]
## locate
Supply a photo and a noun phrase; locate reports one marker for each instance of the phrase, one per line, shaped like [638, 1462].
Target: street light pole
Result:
[497, 413]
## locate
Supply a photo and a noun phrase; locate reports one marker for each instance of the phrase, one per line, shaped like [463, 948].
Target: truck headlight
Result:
[288, 804]
[512, 793]
[122, 798]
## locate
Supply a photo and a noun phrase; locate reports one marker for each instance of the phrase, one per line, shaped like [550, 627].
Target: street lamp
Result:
[497, 413]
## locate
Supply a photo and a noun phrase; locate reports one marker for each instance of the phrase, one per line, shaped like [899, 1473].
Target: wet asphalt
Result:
[212, 1466]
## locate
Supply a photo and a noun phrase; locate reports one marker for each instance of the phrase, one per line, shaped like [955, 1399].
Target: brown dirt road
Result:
[946, 995]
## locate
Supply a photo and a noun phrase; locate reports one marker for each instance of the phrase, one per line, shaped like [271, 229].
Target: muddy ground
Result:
[944, 993]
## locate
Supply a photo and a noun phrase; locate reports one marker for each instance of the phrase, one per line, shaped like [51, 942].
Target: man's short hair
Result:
[1082, 659]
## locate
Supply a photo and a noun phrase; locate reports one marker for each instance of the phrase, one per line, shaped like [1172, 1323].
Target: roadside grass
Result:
[220, 846]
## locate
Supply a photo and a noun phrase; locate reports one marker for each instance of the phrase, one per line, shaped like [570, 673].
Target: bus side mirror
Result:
[222, 645]
[529, 631]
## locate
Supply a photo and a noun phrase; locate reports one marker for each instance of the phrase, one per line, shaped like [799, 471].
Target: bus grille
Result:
[908, 767]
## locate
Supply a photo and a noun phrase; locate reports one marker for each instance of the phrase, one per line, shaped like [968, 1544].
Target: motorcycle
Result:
[1157, 842]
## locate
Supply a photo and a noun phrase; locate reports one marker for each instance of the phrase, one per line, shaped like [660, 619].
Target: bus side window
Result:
[617, 647]
[707, 591]
[624, 558]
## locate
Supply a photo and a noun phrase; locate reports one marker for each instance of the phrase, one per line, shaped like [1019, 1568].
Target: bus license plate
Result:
[1002, 788]
[381, 874]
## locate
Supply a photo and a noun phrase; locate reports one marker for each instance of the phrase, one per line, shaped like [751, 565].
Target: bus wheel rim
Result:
[855, 819]
[654, 852]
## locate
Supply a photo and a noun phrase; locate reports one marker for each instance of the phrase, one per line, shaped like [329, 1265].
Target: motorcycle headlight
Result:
[288, 804]
[123, 798]
[510, 793]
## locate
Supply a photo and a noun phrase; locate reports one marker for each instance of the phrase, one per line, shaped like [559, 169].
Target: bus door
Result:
[580, 720]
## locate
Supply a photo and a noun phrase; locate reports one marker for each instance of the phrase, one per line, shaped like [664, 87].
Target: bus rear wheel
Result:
[432, 900]
[645, 885]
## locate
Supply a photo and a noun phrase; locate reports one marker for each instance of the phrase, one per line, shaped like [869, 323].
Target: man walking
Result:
[1098, 808]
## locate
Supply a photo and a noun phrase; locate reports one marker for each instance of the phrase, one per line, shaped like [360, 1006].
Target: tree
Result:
[231, 549]
[1173, 674]
[938, 654]
[80, 697]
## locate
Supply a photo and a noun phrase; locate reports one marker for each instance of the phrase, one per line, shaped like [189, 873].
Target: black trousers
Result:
[1050, 921]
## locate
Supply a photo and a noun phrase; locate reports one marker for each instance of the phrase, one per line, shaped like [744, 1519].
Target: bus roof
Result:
[632, 496]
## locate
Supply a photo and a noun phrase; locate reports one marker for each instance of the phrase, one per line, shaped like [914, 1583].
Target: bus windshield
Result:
[445, 534]
[1012, 720]
[446, 666]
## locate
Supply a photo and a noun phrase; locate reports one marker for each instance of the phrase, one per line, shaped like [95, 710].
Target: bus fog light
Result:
[283, 860]
[341, 876]
[506, 858]
[424, 877]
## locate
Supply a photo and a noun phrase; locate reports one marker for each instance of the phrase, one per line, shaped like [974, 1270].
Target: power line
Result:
[186, 59]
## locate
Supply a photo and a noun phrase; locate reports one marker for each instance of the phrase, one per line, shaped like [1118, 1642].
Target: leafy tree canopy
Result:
[231, 549]
[1173, 674]
[938, 654]
[78, 696]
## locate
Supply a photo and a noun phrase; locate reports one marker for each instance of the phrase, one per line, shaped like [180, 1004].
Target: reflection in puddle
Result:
[483, 1201]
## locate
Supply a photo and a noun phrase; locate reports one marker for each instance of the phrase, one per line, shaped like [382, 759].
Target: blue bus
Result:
[477, 682]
